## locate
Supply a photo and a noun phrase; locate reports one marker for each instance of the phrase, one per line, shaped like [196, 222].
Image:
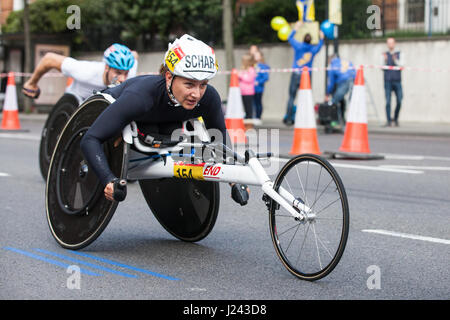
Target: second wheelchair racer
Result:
[119, 63]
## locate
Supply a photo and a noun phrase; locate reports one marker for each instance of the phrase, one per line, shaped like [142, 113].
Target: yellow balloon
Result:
[278, 22]
[284, 32]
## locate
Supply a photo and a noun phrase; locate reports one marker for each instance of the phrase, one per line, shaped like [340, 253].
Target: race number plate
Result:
[188, 171]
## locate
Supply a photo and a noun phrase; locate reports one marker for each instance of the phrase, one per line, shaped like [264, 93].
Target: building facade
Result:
[427, 16]
[7, 6]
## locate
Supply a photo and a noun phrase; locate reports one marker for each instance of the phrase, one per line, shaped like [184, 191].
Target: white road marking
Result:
[361, 167]
[416, 167]
[377, 168]
[403, 157]
[197, 289]
[2, 174]
[406, 235]
[20, 136]
[413, 157]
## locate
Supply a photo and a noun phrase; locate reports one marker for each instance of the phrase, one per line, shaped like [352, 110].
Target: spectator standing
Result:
[393, 81]
[262, 76]
[247, 77]
[304, 53]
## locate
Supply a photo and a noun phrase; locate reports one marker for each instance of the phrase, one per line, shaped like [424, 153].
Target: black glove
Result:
[239, 193]
[120, 189]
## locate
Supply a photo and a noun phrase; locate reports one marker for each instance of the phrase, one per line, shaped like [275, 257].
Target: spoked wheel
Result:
[310, 249]
[77, 211]
[187, 209]
[57, 119]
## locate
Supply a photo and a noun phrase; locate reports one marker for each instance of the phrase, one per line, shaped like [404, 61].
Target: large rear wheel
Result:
[77, 211]
[187, 209]
[56, 120]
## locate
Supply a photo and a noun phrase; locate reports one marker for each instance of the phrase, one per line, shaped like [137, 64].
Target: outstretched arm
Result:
[291, 39]
[49, 61]
[320, 44]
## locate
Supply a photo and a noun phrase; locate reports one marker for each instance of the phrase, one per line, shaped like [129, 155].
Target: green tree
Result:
[50, 17]
[163, 18]
[138, 22]
[255, 27]
[354, 16]
[46, 16]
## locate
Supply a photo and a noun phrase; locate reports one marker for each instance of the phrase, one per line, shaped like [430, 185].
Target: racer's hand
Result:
[240, 193]
[31, 90]
[116, 190]
[109, 191]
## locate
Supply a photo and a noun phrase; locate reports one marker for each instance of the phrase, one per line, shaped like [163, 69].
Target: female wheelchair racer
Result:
[310, 219]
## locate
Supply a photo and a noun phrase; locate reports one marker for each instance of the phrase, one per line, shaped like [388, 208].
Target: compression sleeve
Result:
[111, 121]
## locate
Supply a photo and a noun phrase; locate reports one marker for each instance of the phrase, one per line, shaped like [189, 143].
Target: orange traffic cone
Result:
[69, 82]
[10, 120]
[355, 144]
[305, 132]
[234, 116]
[356, 137]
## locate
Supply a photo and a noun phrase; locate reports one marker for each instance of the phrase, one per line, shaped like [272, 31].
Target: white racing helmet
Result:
[190, 58]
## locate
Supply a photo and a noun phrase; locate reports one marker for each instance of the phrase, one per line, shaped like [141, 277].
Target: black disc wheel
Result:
[187, 209]
[310, 248]
[56, 120]
[77, 211]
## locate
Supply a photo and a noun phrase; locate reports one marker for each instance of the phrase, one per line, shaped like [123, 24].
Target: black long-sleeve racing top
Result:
[143, 99]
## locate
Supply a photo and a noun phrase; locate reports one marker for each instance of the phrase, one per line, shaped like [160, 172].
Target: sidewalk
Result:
[405, 128]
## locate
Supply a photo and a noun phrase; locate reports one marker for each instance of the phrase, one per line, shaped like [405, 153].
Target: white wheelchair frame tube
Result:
[251, 174]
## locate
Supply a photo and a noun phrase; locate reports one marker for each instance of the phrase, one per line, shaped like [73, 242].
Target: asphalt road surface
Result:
[398, 245]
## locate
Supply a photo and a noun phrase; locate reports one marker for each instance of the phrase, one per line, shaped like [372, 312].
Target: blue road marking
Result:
[51, 261]
[91, 265]
[118, 264]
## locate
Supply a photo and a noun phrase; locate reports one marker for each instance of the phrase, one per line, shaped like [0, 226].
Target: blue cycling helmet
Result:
[119, 57]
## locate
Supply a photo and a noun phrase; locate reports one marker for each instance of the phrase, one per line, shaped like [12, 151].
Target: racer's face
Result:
[112, 76]
[188, 92]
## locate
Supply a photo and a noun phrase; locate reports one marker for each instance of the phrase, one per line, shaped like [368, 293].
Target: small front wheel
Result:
[310, 248]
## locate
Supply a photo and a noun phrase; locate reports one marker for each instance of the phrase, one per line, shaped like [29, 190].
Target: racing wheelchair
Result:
[57, 118]
[306, 202]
